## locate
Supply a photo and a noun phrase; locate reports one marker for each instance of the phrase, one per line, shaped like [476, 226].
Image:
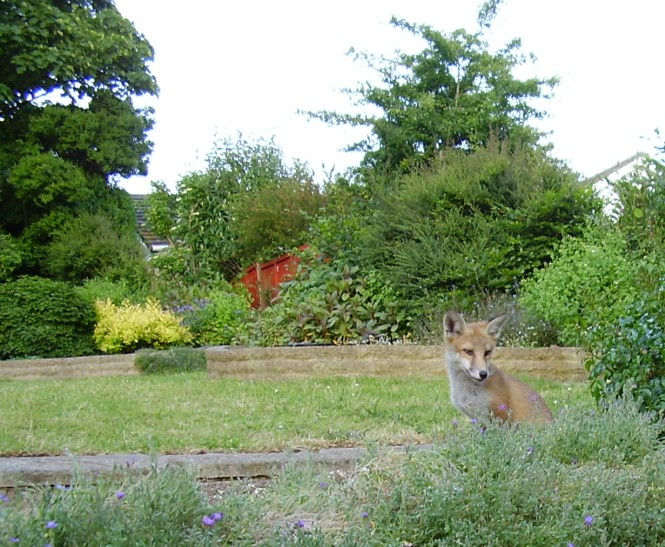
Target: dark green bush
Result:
[44, 318]
[171, 360]
[475, 225]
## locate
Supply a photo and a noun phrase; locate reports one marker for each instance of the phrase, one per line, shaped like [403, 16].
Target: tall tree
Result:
[69, 70]
[454, 94]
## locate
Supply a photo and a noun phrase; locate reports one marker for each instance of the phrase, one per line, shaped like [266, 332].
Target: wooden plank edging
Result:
[302, 362]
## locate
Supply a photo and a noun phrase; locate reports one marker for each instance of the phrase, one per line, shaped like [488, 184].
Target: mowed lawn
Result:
[192, 412]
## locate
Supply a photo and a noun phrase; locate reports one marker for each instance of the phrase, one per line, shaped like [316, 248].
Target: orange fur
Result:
[477, 387]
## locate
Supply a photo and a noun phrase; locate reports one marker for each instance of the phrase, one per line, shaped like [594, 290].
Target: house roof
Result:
[615, 169]
[151, 240]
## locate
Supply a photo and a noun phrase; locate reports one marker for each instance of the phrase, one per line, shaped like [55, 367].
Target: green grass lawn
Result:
[192, 412]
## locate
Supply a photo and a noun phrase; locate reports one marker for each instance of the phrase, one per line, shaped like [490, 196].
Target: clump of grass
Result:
[163, 507]
[170, 361]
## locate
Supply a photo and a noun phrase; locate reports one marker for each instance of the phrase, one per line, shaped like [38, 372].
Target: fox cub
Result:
[477, 387]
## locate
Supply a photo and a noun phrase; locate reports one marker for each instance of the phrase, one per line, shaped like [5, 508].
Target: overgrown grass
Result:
[591, 478]
[192, 412]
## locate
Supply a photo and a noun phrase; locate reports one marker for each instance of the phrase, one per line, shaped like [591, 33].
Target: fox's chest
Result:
[469, 396]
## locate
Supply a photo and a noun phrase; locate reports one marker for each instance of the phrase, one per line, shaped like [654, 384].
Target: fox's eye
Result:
[488, 353]
[469, 352]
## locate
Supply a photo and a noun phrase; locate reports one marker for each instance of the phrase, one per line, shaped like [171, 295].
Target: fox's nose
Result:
[482, 374]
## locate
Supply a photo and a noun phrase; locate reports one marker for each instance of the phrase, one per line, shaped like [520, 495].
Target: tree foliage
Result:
[454, 94]
[639, 209]
[75, 47]
[68, 126]
[247, 205]
[487, 11]
[475, 225]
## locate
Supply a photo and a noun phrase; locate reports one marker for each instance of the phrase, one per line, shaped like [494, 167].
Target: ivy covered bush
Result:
[127, 327]
[44, 318]
[628, 356]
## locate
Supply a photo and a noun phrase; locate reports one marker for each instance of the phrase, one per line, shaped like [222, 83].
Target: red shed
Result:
[263, 280]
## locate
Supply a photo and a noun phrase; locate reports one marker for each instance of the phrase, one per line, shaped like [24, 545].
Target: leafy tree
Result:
[73, 47]
[454, 94]
[274, 219]
[68, 127]
[247, 205]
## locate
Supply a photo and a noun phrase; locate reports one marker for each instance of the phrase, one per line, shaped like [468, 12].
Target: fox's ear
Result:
[495, 325]
[453, 324]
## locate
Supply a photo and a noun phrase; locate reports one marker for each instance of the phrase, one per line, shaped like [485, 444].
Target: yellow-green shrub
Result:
[128, 327]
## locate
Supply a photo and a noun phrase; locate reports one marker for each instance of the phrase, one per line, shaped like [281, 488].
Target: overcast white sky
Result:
[227, 67]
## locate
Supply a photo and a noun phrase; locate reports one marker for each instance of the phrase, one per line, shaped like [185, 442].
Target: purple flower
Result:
[364, 514]
[4, 498]
[529, 450]
[51, 524]
[301, 524]
[211, 520]
[570, 545]
[474, 421]
[323, 485]
[120, 495]
[455, 422]
[13, 540]
[588, 520]
[503, 407]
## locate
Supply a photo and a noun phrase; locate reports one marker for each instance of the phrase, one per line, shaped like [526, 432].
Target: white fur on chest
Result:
[467, 394]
